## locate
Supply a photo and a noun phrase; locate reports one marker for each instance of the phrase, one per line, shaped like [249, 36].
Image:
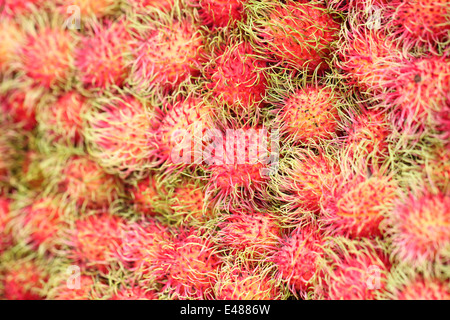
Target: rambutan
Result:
[309, 114]
[101, 57]
[219, 13]
[19, 106]
[437, 168]
[167, 54]
[86, 183]
[47, 57]
[119, 134]
[367, 57]
[188, 266]
[134, 293]
[421, 89]
[31, 173]
[355, 270]
[420, 288]
[165, 5]
[421, 22]
[43, 221]
[95, 240]
[12, 40]
[240, 281]
[149, 196]
[297, 259]
[298, 34]
[420, 228]
[304, 179]
[5, 234]
[22, 279]
[13, 8]
[236, 77]
[89, 8]
[86, 289]
[357, 205]
[180, 134]
[62, 121]
[255, 234]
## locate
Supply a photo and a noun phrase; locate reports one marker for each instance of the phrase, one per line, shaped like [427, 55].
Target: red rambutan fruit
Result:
[19, 107]
[357, 205]
[13, 8]
[420, 228]
[47, 57]
[119, 134]
[86, 183]
[134, 293]
[62, 121]
[5, 234]
[421, 22]
[181, 131]
[188, 266]
[310, 114]
[165, 5]
[437, 168]
[95, 240]
[236, 77]
[12, 40]
[167, 54]
[22, 280]
[297, 259]
[219, 13]
[421, 88]
[240, 281]
[101, 57]
[305, 179]
[85, 289]
[255, 234]
[367, 57]
[149, 196]
[424, 289]
[355, 270]
[298, 34]
[89, 8]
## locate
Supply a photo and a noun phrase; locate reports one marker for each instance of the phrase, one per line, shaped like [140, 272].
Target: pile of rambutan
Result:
[224, 150]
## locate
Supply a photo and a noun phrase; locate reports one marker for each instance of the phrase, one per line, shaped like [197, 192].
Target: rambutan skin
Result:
[420, 229]
[424, 289]
[19, 108]
[47, 57]
[219, 13]
[6, 237]
[134, 293]
[13, 38]
[300, 34]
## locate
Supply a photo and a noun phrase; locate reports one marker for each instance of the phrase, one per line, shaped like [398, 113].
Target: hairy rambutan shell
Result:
[95, 240]
[304, 179]
[23, 280]
[437, 168]
[165, 5]
[310, 114]
[167, 55]
[120, 137]
[88, 8]
[181, 131]
[219, 13]
[421, 88]
[87, 289]
[357, 205]
[299, 34]
[86, 183]
[296, 259]
[134, 293]
[149, 196]
[47, 57]
[356, 270]
[367, 57]
[421, 22]
[12, 39]
[13, 8]
[5, 234]
[101, 58]
[236, 77]
[20, 106]
[188, 266]
[252, 233]
[420, 228]
[424, 289]
[61, 121]
[240, 281]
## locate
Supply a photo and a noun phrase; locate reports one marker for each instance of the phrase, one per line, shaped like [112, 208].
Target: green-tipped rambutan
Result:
[5, 217]
[420, 228]
[13, 8]
[297, 257]
[119, 134]
[89, 8]
[150, 196]
[134, 293]
[296, 33]
[12, 39]
[19, 106]
[85, 287]
[165, 5]
[219, 13]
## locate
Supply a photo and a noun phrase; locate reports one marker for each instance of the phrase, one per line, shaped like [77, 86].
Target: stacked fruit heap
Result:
[100, 99]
